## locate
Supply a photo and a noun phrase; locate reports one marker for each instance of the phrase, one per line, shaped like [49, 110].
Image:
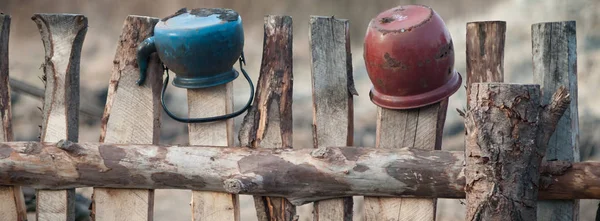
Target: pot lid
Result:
[198, 18]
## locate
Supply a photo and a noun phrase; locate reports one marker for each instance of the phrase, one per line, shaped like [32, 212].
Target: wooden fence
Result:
[509, 128]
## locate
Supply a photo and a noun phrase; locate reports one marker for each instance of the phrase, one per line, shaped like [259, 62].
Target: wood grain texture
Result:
[508, 130]
[554, 48]
[419, 128]
[301, 175]
[332, 99]
[131, 115]
[62, 36]
[268, 123]
[208, 102]
[485, 52]
[12, 203]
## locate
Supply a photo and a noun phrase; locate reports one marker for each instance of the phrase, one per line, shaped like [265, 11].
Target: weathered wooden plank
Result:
[554, 48]
[63, 36]
[301, 175]
[332, 99]
[485, 52]
[208, 102]
[268, 123]
[420, 128]
[507, 131]
[12, 203]
[131, 115]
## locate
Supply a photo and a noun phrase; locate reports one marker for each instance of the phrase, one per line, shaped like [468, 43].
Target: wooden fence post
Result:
[63, 36]
[508, 130]
[332, 92]
[12, 203]
[420, 128]
[268, 123]
[554, 47]
[208, 102]
[131, 115]
[485, 52]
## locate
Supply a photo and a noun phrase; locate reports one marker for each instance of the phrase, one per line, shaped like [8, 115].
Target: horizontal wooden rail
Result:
[301, 175]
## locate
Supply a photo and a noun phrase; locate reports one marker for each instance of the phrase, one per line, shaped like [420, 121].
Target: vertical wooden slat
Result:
[12, 203]
[554, 47]
[268, 123]
[332, 91]
[62, 35]
[207, 102]
[131, 115]
[485, 52]
[419, 128]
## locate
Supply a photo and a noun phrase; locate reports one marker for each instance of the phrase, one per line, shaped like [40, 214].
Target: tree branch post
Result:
[554, 47]
[332, 99]
[12, 202]
[269, 123]
[131, 115]
[503, 152]
[63, 36]
[485, 52]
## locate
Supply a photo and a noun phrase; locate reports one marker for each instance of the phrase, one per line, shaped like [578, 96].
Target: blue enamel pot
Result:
[200, 46]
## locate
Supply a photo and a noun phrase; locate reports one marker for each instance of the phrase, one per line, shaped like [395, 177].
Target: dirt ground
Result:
[106, 19]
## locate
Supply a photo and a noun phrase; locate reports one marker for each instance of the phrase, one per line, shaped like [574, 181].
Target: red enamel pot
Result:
[409, 57]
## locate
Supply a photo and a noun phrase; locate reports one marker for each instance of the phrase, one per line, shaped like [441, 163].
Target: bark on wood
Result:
[131, 115]
[12, 203]
[332, 99]
[554, 66]
[302, 175]
[268, 123]
[63, 36]
[209, 102]
[505, 143]
[485, 52]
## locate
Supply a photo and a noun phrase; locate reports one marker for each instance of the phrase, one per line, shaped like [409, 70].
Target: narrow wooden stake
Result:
[63, 36]
[555, 65]
[507, 133]
[131, 115]
[333, 89]
[12, 203]
[268, 123]
[485, 52]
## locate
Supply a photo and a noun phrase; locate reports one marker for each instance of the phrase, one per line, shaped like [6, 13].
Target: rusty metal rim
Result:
[416, 101]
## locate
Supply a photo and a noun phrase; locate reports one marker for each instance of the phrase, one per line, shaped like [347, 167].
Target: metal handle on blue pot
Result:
[147, 47]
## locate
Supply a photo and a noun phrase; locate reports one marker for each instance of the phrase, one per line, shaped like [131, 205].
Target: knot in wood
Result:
[70, 147]
[234, 186]
[320, 152]
[63, 144]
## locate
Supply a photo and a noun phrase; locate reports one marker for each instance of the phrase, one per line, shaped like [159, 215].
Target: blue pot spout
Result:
[144, 50]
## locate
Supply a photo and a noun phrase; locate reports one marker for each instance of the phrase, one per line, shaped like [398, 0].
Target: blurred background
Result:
[106, 19]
